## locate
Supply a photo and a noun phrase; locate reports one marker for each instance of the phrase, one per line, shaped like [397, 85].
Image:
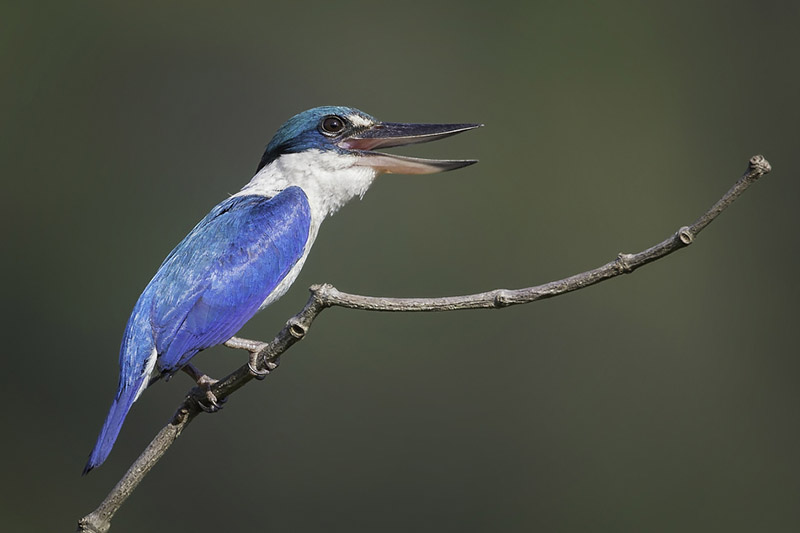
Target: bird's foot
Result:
[252, 365]
[205, 382]
[212, 404]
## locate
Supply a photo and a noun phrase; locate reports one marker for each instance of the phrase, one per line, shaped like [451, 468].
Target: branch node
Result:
[624, 262]
[86, 524]
[502, 299]
[323, 294]
[180, 416]
[685, 235]
[296, 328]
[320, 290]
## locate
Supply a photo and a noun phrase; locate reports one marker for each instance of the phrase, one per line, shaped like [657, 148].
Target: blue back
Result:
[217, 277]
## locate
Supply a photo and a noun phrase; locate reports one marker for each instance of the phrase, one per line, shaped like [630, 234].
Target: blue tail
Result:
[116, 416]
[137, 358]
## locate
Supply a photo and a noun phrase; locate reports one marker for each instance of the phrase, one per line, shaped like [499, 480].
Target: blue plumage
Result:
[247, 251]
[208, 287]
[221, 273]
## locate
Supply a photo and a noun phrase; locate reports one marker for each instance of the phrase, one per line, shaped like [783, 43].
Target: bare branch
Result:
[265, 356]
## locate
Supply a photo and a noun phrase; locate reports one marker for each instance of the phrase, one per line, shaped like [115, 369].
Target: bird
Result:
[249, 249]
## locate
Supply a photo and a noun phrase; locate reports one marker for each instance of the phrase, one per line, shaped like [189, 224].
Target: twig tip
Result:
[759, 166]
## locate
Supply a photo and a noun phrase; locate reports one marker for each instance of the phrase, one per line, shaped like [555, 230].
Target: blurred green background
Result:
[662, 401]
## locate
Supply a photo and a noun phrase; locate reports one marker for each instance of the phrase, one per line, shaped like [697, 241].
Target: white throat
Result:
[329, 180]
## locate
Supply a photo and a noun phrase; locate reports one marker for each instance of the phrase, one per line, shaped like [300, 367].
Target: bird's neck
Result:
[329, 180]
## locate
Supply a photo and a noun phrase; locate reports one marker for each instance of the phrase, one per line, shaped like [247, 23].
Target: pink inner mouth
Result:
[361, 144]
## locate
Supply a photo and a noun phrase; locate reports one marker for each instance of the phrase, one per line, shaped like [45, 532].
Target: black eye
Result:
[332, 125]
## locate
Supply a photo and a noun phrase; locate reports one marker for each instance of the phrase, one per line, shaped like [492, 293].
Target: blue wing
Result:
[205, 290]
[217, 277]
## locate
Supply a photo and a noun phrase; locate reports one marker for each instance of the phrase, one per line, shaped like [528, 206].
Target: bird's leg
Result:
[204, 382]
[254, 347]
[155, 377]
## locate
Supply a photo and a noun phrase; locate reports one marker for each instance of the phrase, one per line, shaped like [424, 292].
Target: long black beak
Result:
[389, 134]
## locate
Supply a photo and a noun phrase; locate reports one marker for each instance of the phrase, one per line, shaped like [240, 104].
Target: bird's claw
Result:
[213, 404]
[259, 374]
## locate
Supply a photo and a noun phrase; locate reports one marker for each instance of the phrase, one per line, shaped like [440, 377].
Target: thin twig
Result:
[266, 355]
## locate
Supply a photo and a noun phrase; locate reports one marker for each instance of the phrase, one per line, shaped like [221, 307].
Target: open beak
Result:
[388, 134]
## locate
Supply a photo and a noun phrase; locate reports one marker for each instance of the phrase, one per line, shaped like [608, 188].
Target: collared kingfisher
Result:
[249, 249]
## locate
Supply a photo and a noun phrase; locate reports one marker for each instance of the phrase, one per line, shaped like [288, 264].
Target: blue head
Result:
[348, 131]
[310, 131]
